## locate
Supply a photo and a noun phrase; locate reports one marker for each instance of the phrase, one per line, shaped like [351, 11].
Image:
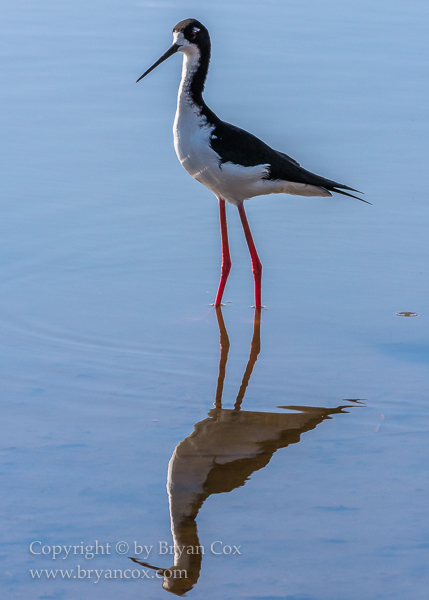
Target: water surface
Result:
[110, 260]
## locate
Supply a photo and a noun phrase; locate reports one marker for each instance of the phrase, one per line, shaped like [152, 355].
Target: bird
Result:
[234, 164]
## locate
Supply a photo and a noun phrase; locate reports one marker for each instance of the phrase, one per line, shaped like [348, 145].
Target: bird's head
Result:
[190, 37]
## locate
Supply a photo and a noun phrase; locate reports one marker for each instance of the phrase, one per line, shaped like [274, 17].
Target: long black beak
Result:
[145, 564]
[172, 50]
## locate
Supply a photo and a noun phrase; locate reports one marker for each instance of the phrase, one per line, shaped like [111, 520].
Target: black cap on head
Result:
[193, 31]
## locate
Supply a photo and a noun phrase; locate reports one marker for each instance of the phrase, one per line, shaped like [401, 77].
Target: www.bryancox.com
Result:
[97, 574]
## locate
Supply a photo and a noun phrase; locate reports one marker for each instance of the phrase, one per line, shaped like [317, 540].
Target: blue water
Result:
[110, 259]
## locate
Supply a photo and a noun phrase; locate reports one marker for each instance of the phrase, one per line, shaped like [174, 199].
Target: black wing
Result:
[242, 148]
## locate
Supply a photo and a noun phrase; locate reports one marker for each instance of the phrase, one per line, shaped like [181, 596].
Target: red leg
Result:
[256, 263]
[226, 260]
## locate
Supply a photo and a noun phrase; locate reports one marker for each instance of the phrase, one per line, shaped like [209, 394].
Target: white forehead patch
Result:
[178, 38]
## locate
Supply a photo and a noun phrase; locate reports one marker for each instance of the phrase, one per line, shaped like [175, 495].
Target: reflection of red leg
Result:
[226, 260]
[224, 349]
[256, 263]
[255, 348]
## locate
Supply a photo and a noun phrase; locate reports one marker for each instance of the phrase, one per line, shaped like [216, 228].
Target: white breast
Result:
[192, 142]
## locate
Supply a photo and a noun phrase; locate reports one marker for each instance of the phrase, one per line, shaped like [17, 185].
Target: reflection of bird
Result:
[232, 163]
[220, 455]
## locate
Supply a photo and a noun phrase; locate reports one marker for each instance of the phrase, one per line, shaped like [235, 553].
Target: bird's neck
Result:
[194, 74]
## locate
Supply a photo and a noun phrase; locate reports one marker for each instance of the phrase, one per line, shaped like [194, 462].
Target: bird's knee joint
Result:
[257, 270]
[226, 267]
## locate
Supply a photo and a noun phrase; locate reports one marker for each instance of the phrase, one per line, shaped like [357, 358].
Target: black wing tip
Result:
[345, 187]
[350, 195]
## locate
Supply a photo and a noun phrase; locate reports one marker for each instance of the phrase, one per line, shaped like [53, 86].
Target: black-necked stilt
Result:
[231, 162]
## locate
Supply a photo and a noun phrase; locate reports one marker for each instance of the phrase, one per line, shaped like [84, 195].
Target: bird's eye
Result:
[193, 33]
